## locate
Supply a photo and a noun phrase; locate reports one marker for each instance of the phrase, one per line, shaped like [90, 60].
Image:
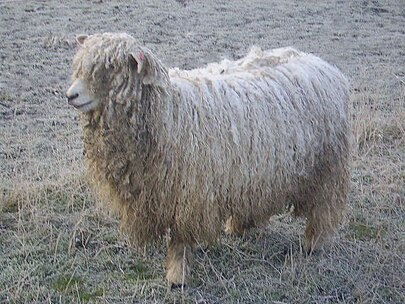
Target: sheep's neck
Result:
[121, 144]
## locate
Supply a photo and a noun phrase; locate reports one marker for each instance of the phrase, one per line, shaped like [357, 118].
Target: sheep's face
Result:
[111, 69]
[101, 71]
[79, 96]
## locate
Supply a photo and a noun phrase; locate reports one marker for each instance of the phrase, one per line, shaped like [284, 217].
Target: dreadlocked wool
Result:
[232, 143]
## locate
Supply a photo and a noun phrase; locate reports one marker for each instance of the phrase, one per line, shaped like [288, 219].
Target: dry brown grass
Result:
[56, 245]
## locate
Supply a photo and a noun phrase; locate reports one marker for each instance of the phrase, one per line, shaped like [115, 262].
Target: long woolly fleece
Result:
[186, 150]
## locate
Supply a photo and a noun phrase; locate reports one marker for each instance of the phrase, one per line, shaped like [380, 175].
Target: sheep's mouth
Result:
[85, 107]
[80, 106]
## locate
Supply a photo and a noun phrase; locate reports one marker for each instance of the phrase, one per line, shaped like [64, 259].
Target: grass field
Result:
[58, 245]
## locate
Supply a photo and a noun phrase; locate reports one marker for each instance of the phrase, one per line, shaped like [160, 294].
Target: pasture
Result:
[57, 245]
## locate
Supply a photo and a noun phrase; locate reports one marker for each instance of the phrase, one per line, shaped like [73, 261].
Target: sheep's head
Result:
[112, 68]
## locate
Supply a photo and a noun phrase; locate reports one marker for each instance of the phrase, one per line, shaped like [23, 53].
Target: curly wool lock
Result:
[235, 142]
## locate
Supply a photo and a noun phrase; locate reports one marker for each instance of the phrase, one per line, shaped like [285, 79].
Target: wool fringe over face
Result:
[232, 143]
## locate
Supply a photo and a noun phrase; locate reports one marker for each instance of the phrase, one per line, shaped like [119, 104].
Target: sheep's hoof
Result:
[311, 248]
[310, 251]
[177, 264]
[176, 280]
[177, 286]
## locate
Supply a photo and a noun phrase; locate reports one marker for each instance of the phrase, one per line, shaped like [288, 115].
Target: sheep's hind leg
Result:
[328, 203]
[178, 263]
[319, 231]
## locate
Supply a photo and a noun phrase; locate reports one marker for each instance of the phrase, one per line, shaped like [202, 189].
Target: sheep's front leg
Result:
[237, 226]
[178, 263]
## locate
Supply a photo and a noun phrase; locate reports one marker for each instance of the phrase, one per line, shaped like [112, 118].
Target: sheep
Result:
[184, 153]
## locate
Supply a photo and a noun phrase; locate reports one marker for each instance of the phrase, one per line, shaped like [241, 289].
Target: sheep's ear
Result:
[139, 59]
[81, 38]
[150, 69]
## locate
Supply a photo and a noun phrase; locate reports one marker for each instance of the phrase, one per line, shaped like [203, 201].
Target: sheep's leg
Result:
[232, 226]
[327, 208]
[320, 228]
[178, 263]
[236, 226]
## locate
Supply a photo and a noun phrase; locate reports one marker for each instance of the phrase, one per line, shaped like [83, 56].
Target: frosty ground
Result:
[56, 245]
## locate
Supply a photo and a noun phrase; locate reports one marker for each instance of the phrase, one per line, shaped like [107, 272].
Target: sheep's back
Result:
[249, 136]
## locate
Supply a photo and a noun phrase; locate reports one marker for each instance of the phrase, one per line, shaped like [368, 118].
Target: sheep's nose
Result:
[72, 97]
